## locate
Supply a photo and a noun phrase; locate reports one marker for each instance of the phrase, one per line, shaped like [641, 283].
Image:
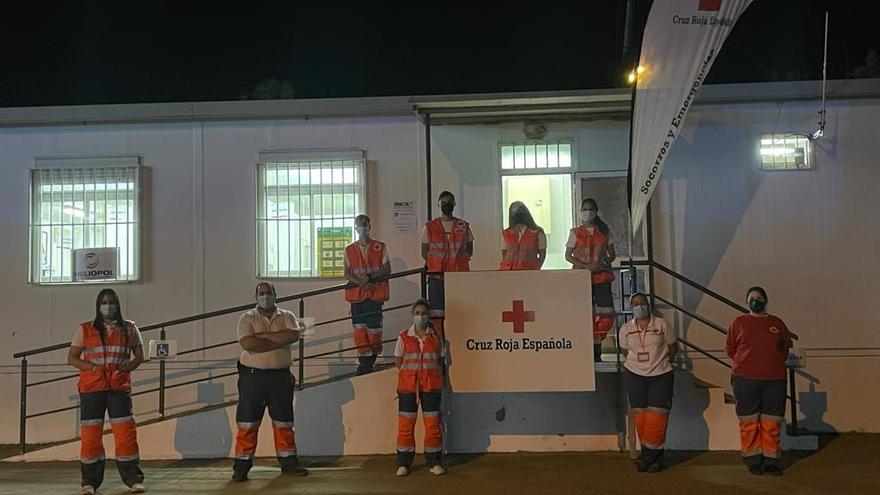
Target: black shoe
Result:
[656, 467]
[295, 470]
[772, 470]
[597, 353]
[640, 466]
[756, 470]
[365, 365]
[239, 476]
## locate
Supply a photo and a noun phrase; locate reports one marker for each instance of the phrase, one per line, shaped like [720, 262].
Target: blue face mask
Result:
[641, 312]
[266, 301]
[420, 321]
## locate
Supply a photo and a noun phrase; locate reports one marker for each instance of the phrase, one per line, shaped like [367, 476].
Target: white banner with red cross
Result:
[520, 331]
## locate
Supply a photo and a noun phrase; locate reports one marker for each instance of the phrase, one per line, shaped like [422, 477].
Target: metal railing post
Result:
[302, 350]
[162, 378]
[22, 421]
[423, 281]
[792, 389]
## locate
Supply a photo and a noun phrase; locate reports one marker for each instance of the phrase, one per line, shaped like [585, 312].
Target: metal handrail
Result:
[221, 312]
[693, 315]
[162, 326]
[704, 352]
[704, 290]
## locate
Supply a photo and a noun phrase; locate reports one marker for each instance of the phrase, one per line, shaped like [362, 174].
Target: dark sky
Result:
[126, 51]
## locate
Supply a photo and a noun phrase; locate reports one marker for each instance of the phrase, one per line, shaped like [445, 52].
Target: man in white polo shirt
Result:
[265, 334]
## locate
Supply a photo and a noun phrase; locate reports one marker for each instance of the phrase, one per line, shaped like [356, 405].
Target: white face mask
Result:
[266, 301]
[362, 231]
[588, 215]
[420, 321]
[108, 310]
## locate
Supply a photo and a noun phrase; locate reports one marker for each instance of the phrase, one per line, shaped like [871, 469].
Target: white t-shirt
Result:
[649, 350]
[253, 322]
[447, 227]
[136, 339]
[520, 230]
[363, 248]
[572, 240]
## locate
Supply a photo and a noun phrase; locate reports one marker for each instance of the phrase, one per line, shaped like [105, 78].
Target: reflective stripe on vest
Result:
[372, 264]
[420, 369]
[446, 251]
[520, 253]
[114, 350]
[592, 248]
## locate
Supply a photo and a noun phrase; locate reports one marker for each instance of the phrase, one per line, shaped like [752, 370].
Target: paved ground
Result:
[848, 464]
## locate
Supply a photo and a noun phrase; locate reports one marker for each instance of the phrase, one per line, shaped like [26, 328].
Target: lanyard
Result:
[643, 335]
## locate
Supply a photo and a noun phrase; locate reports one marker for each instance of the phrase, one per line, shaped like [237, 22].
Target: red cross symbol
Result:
[518, 317]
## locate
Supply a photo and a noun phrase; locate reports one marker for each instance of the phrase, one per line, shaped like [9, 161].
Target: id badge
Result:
[642, 357]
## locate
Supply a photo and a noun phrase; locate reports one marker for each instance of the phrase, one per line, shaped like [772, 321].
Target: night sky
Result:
[128, 52]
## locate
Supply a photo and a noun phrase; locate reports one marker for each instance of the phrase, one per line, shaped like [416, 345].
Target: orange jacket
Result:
[592, 248]
[374, 263]
[115, 350]
[420, 369]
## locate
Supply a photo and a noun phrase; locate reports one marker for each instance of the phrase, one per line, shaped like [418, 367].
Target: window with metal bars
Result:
[785, 152]
[305, 216]
[76, 208]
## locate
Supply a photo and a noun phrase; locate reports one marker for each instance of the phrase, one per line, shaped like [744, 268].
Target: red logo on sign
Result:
[710, 5]
[518, 317]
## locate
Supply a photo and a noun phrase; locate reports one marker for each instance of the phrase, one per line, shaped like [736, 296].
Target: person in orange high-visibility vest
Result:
[419, 354]
[523, 243]
[447, 246]
[106, 350]
[650, 347]
[758, 344]
[367, 268]
[590, 246]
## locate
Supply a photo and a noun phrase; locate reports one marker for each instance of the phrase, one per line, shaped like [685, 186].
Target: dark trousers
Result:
[408, 410]
[760, 407]
[650, 399]
[257, 390]
[118, 407]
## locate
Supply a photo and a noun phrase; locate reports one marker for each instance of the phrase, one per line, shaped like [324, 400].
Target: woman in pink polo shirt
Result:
[650, 346]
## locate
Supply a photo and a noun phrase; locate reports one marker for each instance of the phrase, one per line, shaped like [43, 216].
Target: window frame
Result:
[808, 152]
[86, 166]
[299, 158]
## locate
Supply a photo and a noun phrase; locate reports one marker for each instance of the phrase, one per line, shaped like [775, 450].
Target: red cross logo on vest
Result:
[518, 317]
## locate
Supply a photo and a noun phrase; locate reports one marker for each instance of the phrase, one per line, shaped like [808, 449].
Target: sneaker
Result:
[87, 490]
[295, 470]
[773, 470]
[756, 470]
[438, 470]
[402, 471]
[239, 476]
[137, 488]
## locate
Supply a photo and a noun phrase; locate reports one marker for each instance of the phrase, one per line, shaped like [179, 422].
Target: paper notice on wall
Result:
[404, 217]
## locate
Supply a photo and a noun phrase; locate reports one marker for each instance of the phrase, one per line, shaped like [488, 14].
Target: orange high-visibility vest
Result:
[521, 253]
[420, 369]
[360, 266]
[592, 247]
[115, 350]
[446, 251]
